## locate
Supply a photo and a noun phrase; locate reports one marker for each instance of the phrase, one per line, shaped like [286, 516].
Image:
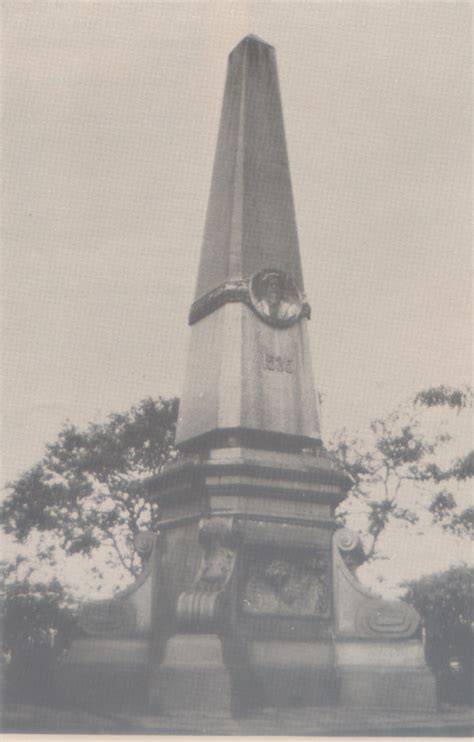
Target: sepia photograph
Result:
[237, 450]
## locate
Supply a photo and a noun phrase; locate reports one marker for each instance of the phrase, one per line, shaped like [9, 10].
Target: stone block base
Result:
[387, 688]
[104, 674]
[385, 675]
[293, 673]
[192, 677]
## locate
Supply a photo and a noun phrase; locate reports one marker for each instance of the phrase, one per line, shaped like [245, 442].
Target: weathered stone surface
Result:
[105, 673]
[386, 668]
[387, 688]
[243, 373]
[249, 365]
[407, 653]
[295, 586]
[291, 477]
[358, 612]
[192, 677]
[250, 222]
[292, 673]
[130, 612]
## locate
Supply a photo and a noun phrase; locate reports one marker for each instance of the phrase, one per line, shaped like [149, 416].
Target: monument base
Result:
[385, 675]
[387, 688]
[199, 674]
[294, 673]
[192, 677]
[104, 674]
[249, 600]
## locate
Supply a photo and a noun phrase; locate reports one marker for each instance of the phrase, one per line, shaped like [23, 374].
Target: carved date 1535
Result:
[277, 363]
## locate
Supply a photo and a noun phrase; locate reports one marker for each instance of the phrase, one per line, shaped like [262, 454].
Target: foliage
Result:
[35, 613]
[38, 624]
[446, 603]
[89, 489]
[398, 471]
[88, 493]
[442, 396]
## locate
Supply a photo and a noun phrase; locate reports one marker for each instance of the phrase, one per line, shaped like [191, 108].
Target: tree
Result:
[446, 603]
[403, 468]
[88, 492]
[38, 624]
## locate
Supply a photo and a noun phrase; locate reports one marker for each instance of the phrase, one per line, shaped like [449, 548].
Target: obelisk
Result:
[253, 481]
[249, 595]
[257, 598]
[249, 373]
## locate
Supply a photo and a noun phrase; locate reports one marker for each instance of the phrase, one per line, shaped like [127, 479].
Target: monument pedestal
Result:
[267, 606]
[192, 677]
[385, 675]
[109, 665]
[255, 575]
[250, 599]
[100, 673]
[293, 673]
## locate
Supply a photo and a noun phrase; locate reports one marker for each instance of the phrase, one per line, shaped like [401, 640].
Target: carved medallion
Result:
[270, 293]
[275, 298]
[288, 587]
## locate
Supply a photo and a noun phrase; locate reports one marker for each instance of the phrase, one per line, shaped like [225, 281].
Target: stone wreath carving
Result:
[271, 294]
[358, 612]
[202, 607]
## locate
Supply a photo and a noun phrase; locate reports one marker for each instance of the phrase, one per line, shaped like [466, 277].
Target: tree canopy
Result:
[88, 491]
[404, 467]
[446, 603]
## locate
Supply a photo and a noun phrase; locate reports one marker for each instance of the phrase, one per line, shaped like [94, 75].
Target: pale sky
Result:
[110, 125]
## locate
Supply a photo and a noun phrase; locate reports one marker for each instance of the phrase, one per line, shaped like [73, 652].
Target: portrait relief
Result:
[275, 297]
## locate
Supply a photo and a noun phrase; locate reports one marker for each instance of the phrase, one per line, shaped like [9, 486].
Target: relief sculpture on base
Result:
[291, 586]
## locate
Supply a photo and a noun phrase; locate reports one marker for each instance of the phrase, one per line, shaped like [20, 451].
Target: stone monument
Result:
[249, 596]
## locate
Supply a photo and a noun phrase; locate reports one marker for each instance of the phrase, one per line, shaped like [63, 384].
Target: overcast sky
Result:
[110, 125]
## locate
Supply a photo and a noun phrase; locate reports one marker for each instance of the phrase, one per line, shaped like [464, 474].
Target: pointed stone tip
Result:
[252, 39]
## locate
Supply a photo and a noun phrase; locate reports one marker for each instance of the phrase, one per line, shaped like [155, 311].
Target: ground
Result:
[455, 721]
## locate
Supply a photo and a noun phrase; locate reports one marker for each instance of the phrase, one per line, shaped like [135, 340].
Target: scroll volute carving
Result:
[201, 608]
[117, 617]
[360, 614]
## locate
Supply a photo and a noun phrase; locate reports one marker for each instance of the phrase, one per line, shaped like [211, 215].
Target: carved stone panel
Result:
[107, 618]
[292, 586]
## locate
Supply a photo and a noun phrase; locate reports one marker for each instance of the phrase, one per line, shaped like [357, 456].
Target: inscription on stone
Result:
[278, 363]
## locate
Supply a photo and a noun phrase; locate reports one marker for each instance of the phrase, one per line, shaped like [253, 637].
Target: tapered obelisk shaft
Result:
[249, 372]
[250, 221]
